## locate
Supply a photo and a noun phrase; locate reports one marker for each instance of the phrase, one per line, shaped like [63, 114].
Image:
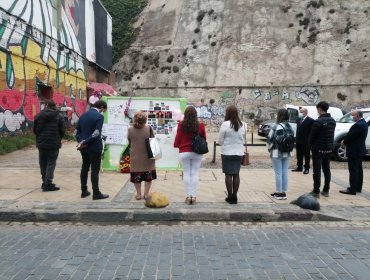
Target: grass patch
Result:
[12, 142]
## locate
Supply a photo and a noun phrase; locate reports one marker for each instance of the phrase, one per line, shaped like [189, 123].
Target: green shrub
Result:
[13, 142]
[69, 136]
[122, 13]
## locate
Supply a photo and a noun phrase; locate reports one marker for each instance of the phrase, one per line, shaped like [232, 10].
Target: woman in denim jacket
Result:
[280, 160]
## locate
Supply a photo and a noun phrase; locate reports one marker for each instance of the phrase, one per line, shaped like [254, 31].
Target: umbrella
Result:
[103, 88]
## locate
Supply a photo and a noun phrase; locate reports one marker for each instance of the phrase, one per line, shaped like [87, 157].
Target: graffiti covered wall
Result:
[37, 53]
[259, 55]
[258, 104]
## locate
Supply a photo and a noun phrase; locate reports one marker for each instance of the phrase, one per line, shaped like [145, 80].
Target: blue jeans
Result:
[281, 173]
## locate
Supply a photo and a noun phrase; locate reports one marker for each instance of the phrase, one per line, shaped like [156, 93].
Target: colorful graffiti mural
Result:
[36, 53]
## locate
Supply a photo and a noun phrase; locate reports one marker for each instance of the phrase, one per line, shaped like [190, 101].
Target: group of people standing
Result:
[49, 128]
[313, 136]
[316, 137]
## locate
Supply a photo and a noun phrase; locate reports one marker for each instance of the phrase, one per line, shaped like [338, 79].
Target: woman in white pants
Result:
[191, 161]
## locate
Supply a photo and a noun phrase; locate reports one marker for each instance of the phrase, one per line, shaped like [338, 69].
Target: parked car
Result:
[341, 130]
[265, 127]
[293, 111]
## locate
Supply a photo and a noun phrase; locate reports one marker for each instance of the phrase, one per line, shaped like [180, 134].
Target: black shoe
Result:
[297, 170]
[229, 199]
[347, 192]
[85, 194]
[314, 194]
[50, 188]
[100, 196]
[234, 199]
[306, 171]
[324, 193]
[42, 186]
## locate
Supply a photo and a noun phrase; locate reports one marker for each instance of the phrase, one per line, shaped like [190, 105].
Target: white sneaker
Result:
[281, 196]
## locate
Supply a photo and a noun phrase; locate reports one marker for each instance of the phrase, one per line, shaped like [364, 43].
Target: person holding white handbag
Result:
[142, 168]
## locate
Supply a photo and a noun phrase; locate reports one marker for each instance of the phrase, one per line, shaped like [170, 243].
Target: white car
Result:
[294, 114]
[341, 130]
[293, 111]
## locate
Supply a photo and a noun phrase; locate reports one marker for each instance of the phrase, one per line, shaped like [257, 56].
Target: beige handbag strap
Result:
[245, 137]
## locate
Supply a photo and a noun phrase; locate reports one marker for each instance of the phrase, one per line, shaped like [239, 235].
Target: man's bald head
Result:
[356, 114]
[304, 111]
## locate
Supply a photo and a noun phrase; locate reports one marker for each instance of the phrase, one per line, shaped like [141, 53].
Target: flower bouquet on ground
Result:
[124, 163]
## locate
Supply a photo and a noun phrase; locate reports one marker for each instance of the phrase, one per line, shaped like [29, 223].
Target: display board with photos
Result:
[163, 116]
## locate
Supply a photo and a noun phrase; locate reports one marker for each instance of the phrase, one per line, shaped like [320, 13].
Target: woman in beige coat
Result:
[142, 168]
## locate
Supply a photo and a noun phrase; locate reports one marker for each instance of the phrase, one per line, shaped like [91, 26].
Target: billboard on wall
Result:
[103, 36]
[75, 12]
[163, 116]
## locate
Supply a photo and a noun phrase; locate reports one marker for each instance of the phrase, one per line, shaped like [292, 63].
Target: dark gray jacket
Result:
[49, 129]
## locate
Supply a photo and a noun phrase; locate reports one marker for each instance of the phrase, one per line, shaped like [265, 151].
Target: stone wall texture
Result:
[257, 54]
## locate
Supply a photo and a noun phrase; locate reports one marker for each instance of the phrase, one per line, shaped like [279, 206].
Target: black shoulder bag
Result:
[199, 144]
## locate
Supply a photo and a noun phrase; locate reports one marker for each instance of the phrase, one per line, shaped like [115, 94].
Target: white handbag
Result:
[153, 148]
[156, 148]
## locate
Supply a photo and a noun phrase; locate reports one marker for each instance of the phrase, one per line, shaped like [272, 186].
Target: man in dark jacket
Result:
[304, 125]
[49, 129]
[355, 149]
[320, 142]
[88, 135]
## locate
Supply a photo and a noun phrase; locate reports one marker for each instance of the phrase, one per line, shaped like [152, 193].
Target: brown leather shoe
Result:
[193, 200]
[188, 200]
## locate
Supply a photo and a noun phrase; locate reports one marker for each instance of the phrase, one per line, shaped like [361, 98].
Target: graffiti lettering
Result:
[309, 95]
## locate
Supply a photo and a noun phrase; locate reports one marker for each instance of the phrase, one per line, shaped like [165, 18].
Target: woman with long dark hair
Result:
[141, 168]
[191, 161]
[280, 160]
[232, 140]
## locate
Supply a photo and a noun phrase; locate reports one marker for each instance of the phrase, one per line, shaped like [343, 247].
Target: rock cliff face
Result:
[257, 54]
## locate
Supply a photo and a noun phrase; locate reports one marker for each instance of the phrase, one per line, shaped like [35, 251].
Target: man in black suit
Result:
[88, 135]
[355, 149]
[304, 125]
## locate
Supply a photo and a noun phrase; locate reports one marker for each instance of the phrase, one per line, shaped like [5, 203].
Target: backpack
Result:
[285, 142]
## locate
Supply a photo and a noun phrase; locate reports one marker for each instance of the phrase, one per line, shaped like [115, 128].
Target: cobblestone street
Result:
[185, 251]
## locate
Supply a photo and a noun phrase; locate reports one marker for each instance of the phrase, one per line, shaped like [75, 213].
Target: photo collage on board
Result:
[160, 117]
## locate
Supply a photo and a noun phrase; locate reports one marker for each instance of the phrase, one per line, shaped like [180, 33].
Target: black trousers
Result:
[356, 175]
[92, 159]
[321, 161]
[303, 152]
[48, 162]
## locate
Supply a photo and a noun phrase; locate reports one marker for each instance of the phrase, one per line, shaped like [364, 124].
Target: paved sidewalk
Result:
[21, 197]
